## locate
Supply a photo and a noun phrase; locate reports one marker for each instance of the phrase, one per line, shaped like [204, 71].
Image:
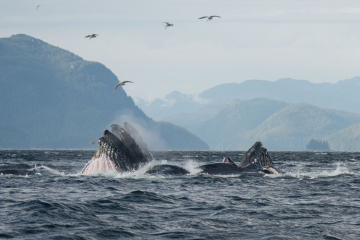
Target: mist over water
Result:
[315, 197]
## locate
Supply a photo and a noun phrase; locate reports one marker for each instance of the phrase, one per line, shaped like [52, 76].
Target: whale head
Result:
[258, 155]
[117, 151]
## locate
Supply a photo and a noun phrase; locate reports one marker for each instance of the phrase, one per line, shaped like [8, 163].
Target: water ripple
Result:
[317, 197]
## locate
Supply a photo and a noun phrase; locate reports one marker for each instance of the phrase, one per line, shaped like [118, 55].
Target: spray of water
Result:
[340, 169]
[150, 135]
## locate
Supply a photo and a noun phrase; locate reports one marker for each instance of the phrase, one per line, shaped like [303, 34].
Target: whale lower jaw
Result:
[100, 164]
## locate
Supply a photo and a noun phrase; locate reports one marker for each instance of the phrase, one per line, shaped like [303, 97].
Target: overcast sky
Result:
[315, 40]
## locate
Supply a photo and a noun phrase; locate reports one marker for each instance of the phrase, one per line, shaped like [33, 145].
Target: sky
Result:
[314, 40]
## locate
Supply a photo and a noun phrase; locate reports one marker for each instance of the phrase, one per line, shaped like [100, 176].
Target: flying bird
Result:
[37, 7]
[92, 142]
[209, 17]
[91, 36]
[168, 25]
[121, 84]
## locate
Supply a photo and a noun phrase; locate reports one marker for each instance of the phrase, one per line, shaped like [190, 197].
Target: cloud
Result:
[343, 10]
[254, 39]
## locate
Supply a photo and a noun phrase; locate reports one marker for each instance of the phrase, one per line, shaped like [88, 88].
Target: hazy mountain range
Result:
[284, 114]
[51, 98]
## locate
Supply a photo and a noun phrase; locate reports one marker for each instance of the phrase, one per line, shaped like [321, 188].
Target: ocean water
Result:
[316, 197]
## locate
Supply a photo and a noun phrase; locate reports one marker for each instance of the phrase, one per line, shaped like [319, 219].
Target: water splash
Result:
[44, 170]
[141, 172]
[192, 167]
[341, 169]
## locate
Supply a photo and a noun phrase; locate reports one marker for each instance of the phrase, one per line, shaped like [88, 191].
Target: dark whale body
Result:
[123, 150]
[221, 168]
[27, 172]
[17, 172]
[167, 169]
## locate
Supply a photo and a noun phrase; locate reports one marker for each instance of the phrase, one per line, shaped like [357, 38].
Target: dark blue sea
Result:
[316, 197]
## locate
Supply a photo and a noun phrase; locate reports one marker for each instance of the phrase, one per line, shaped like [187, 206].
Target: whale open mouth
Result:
[257, 155]
[118, 151]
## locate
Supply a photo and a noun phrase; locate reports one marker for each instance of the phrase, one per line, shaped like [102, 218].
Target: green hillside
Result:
[51, 98]
[231, 125]
[293, 127]
[347, 139]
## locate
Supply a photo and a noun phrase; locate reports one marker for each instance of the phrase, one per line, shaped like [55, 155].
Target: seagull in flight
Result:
[209, 17]
[168, 25]
[121, 84]
[91, 36]
[92, 142]
[37, 7]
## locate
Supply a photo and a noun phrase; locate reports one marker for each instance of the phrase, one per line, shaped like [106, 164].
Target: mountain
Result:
[292, 127]
[188, 110]
[229, 128]
[278, 125]
[342, 95]
[173, 104]
[167, 131]
[51, 98]
[347, 139]
[182, 109]
[201, 114]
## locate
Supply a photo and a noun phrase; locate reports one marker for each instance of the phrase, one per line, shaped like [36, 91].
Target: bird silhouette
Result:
[168, 25]
[209, 17]
[121, 84]
[91, 36]
[37, 7]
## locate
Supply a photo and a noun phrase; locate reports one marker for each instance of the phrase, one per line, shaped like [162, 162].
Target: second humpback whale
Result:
[123, 150]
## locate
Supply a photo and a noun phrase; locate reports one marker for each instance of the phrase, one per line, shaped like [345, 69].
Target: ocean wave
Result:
[340, 169]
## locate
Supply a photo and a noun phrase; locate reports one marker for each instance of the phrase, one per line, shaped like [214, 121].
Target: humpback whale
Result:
[41, 170]
[255, 160]
[119, 152]
[123, 150]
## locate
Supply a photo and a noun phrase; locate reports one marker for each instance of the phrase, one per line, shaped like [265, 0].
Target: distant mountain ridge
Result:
[51, 98]
[218, 120]
[229, 128]
[341, 96]
[250, 89]
[292, 127]
[278, 125]
[346, 139]
[174, 103]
